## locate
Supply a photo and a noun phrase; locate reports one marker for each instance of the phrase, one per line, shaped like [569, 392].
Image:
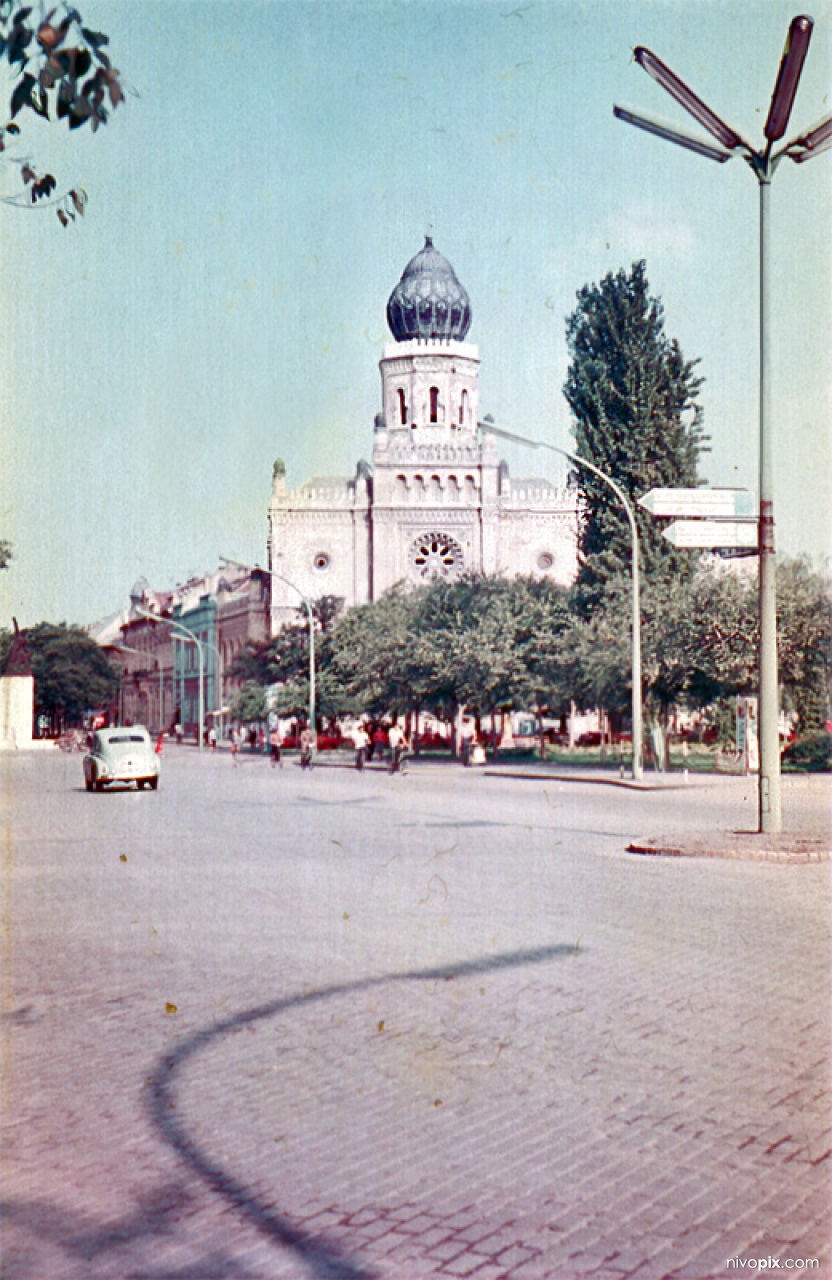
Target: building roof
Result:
[429, 302]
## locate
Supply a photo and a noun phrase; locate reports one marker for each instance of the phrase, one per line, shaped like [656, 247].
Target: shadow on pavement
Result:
[80, 1239]
[323, 1258]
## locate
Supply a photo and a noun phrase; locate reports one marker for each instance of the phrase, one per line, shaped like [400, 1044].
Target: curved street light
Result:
[126, 648]
[763, 164]
[190, 638]
[311, 616]
[636, 599]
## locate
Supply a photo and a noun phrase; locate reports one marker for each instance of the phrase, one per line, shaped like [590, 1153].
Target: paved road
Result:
[274, 1025]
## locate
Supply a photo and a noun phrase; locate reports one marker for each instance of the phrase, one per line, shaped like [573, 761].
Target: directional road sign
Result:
[712, 533]
[698, 504]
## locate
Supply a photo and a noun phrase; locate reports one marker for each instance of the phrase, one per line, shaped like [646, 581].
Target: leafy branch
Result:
[62, 73]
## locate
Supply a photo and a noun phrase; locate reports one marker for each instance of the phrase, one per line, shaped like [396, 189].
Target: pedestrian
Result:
[160, 744]
[398, 746]
[235, 745]
[212, 738]
[274, 745]
[467, 742]
[307, 746]
[378, 743]
[177, 729]
[361, 738]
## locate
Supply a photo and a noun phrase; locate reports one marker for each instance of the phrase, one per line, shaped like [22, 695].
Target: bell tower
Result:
[435, 484]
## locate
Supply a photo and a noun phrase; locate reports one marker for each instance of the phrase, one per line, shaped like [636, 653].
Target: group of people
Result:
[365, 745]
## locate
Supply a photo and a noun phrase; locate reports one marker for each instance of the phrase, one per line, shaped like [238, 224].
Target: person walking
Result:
[236, 734]
[274, 745]
[398, 746]
[361, 738]
[307, 746]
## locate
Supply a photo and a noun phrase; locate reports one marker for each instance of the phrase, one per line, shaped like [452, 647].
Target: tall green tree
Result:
[629, 388]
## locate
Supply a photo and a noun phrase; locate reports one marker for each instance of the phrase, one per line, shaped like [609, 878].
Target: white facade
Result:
[436, 501]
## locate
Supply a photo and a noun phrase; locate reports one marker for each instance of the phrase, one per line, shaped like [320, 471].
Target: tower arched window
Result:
[463, 408]
[402, 408]
[434, 404]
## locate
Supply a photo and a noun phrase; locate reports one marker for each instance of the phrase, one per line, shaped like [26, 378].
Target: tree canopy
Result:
[71, 673]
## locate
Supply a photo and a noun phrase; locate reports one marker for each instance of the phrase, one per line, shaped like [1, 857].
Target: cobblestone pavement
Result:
[270, 1025]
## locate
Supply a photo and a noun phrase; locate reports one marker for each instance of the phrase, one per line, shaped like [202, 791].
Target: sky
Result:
[253, 204]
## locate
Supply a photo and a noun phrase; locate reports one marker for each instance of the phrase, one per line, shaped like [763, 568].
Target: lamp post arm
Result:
[312, 692]
[188, 636]
[636, 708]
[142, 654]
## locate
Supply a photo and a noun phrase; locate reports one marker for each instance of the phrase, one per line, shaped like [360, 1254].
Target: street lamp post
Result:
[190, 638]
[311, 616]
[220, 679]
[142, 654]
[763, 164]
[636, 599]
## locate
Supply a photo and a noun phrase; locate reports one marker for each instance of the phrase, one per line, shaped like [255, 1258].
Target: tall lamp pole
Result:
[190, 638]
[763, 163]
[125, 648]
[311, 616]
[636, 600]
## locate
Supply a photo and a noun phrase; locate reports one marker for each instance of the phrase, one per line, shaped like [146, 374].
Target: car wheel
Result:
[154, 784]
[140, 784]
[98, 784]
[88, 783]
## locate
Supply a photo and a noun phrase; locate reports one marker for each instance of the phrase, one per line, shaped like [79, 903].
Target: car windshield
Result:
[126, 737]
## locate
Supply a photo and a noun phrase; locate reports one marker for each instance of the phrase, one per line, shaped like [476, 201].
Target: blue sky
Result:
[251, 208]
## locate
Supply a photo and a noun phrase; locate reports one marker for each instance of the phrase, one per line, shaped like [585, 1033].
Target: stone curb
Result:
[797, 856]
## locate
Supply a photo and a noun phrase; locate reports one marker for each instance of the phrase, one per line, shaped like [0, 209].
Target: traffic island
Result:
[754, 845]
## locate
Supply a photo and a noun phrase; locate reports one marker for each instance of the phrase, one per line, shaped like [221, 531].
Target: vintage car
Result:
[121, 755]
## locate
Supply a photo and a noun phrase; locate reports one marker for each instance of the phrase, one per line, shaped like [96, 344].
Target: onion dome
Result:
[429, 301]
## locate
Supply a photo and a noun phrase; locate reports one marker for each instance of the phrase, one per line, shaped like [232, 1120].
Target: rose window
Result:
[435, 555]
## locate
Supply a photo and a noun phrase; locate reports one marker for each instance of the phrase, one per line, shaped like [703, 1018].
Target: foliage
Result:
[804, 617]
[71, 673]
[812, 752]
[372, 658]
[249, 703]
[61, 73]
[491, 644]
[286, 656]
[480, 642]
[628, 387]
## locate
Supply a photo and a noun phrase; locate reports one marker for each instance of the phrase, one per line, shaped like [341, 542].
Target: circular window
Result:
[545, 560]
[435, 555]
[321, 560]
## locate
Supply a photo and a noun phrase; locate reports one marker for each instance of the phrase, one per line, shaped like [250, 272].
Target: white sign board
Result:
[712, 533]
[698, 504]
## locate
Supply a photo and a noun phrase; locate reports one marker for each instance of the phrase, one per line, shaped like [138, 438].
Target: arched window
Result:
[402, 408]
[434, 404]
[463, 408]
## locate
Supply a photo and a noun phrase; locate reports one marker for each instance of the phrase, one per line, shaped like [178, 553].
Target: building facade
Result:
[159, 657]
[437, 500]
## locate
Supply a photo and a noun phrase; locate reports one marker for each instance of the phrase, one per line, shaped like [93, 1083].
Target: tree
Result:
[71, 673]
[804, 637]
[61, 73]
[249, 703]
[628, 387]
